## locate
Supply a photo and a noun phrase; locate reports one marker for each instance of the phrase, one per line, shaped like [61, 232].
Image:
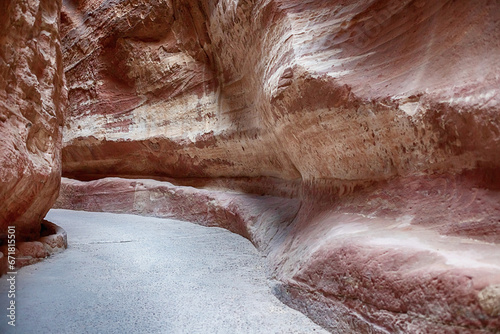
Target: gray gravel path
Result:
[132, 274]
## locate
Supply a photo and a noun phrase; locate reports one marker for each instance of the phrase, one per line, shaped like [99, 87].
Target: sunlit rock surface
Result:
[371, 126]
[32, 100]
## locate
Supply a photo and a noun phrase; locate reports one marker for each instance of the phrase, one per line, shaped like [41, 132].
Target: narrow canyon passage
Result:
[132, 274]
[356, 144]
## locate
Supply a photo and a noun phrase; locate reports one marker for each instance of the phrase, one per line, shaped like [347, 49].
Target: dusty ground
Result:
[131, 274]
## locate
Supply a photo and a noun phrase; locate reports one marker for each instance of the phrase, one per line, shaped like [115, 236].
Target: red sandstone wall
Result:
[32, 102]
[377, 122]
[315, 89]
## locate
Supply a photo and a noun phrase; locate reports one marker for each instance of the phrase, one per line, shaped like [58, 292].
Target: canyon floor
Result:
[130, 274]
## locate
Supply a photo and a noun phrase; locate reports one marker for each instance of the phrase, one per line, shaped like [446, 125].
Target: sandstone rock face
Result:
[32, 100]
[368, 90]
[237, 212]
[146, 98]
[381, 267]
[372, 127]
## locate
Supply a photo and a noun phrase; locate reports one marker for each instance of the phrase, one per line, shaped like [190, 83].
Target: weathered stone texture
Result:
[32, 102]
[373, 124]
[373, 261]
[368, 90]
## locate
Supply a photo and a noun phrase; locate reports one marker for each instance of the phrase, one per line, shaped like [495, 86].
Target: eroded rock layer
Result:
[32, 100]
[314, 89]
[372, 126]
[397, 264]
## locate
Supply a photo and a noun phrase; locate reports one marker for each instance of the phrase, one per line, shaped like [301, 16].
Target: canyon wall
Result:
[32, 103]
[307, 90]
[355, 143]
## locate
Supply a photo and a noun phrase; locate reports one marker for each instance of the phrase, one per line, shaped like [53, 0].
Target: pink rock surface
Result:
[352, 268]
[145, 100]
[415, 254]
[32, 100]
[235, 211]
[292, 89]
[373, 124]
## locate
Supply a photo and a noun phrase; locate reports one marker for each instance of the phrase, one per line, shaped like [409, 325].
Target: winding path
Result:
[132, 274]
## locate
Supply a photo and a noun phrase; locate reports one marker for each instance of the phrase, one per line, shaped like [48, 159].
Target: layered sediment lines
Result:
[304, 90]
[356, 144]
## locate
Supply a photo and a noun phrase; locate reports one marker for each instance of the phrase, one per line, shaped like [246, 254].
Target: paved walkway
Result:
[129, 274]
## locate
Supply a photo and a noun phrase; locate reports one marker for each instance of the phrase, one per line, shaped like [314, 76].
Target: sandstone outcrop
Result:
[32, 102]
[356, 144]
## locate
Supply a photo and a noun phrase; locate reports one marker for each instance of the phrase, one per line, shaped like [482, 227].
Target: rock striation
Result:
[355, 143]
[369, 90]
[32, 103]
